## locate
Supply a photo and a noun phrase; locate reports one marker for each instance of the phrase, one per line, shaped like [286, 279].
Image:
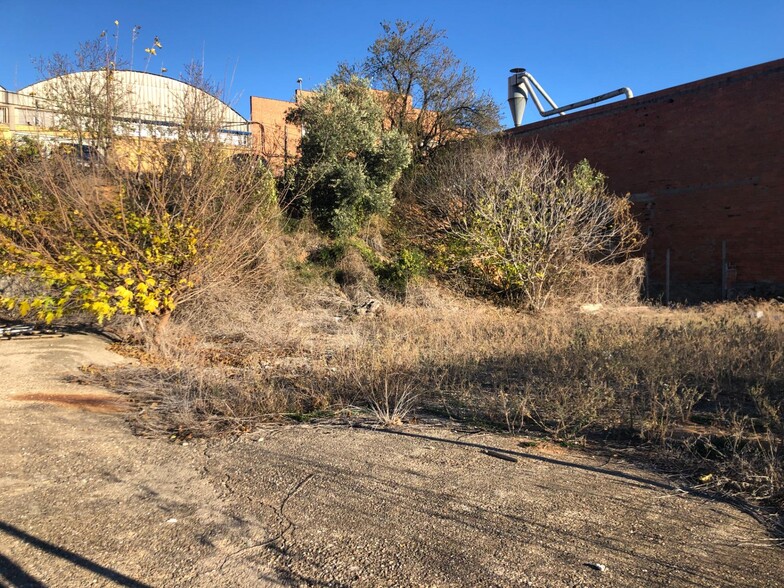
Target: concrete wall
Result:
[704, 165]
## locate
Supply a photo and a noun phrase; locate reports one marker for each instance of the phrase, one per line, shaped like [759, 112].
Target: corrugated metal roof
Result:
[146, 95]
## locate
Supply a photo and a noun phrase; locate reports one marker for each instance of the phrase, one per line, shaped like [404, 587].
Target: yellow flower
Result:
[24, 308]
[123, 292]
[150, 304]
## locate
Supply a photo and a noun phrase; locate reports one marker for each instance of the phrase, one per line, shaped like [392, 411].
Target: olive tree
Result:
[349, 162]
[430, 95]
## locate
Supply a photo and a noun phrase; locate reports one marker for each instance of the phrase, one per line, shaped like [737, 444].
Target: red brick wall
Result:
[704, 164]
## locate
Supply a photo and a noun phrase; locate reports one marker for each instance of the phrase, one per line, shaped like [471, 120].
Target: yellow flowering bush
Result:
[107, 241]
[100, 275]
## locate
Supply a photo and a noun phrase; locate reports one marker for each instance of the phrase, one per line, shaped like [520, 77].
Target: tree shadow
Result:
[531, 456]
[18, 577]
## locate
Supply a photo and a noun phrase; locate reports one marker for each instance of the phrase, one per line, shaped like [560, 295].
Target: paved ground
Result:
[84, 502]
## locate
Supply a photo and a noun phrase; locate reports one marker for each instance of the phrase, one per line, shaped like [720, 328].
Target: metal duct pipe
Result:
[593, 100]
[521, 85]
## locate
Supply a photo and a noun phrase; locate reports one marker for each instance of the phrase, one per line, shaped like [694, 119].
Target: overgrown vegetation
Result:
[523, 224]
[373, 312]
[104, 240]
[358, 266]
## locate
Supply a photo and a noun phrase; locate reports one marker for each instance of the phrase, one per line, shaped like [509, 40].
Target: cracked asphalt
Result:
[84, 502]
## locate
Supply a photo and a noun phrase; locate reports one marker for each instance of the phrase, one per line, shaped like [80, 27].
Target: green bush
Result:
[395, 275]
[349, 164]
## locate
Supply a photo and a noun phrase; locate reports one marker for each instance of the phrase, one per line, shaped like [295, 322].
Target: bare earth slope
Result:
[84, 502]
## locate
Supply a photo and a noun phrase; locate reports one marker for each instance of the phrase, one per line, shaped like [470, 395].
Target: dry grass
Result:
[702, 387]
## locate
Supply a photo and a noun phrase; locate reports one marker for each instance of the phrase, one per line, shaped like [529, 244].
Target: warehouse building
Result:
[141, 105]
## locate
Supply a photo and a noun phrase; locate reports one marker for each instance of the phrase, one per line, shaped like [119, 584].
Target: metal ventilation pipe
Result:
[522, 84]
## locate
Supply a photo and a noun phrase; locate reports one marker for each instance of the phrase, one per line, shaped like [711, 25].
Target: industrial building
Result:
[144, 106]
[703, 164]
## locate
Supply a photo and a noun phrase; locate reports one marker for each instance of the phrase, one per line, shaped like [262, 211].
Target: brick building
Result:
[275, 139]
[704, 166]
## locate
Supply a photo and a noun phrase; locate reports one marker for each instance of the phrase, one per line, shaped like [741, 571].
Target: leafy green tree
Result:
[349, 163]
[430, 94]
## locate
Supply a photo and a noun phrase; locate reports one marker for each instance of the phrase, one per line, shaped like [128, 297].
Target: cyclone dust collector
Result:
[522, 85]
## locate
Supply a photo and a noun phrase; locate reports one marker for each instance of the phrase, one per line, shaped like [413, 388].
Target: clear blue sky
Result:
[575, 49]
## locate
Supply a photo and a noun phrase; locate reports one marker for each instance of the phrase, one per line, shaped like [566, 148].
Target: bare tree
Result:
[82, 92]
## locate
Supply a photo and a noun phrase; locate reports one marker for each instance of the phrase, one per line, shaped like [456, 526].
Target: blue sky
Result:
[575, 49]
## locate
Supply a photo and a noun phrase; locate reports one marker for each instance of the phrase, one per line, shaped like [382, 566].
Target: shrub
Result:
[521, 223]
[359, 268]
[396, 274]
[105, 240]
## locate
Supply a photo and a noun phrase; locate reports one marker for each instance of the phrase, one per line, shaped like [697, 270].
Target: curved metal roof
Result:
[147, 95]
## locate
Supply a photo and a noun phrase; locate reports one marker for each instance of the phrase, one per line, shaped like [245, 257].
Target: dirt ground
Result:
[86, 503]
